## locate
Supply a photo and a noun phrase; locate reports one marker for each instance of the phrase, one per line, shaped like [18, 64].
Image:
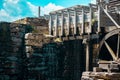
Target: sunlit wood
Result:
[118, 45]
[111, 51]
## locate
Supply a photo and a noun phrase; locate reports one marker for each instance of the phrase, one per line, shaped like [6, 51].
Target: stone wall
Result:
[39, 25]
[12, 50]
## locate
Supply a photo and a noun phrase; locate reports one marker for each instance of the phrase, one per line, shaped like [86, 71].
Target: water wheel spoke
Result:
[118, 45]
[111, 51]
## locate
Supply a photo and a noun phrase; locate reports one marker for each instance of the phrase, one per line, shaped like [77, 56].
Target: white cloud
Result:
[44, 10]
[93, 1]
[12, 1]
[50, 7]
[15, 9]
[3, 13]
[11, 10]
[12, 6]
[33, 8]
[4, 16]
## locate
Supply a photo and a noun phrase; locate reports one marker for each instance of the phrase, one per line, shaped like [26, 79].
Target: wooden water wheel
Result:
[110, 46]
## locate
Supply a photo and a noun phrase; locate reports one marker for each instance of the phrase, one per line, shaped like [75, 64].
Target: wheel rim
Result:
[110, 45]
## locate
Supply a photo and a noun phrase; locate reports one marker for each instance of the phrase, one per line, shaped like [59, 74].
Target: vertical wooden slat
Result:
[56, 25]
[90, 23]
[62, 18]
[82, 29]
[50, 25]
[68, 24]
[75, 22]
[98, 29]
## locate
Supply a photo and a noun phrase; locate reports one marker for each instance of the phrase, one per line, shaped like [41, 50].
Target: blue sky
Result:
[11, 10]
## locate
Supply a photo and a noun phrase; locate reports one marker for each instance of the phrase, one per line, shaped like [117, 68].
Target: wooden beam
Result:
[111, 51]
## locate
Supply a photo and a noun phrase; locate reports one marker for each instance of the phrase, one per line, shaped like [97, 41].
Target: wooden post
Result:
[82, 29]
[68, 24]
[50, 25]
[98, 29]
[90, 23]
[56, 25]
[87, 56]
[86, 43]
[62, 23]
